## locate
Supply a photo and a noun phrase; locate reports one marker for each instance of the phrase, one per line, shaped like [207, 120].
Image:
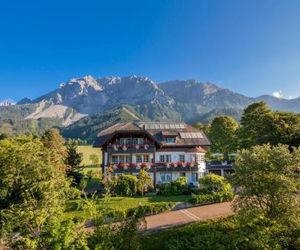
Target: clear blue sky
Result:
[249, 46]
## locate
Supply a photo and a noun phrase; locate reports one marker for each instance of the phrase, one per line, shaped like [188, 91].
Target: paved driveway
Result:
[185, 216]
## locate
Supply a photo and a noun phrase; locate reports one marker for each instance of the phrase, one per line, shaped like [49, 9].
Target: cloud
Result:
[277, 94]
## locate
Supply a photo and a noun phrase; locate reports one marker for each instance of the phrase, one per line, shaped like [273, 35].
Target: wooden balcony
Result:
[151, 167]
[130, 149]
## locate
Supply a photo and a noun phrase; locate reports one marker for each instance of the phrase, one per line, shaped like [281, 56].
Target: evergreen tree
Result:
[53, 141]
[73, 161]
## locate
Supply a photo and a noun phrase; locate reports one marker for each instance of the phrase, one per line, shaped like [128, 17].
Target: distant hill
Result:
[88, 127]
[86, 103]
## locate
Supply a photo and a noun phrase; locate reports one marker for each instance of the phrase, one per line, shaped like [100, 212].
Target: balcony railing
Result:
[150, 166]
[130, 147]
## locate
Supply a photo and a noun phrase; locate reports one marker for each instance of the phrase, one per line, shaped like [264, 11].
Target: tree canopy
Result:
[222, 134]
[269, 181]
[32, 191]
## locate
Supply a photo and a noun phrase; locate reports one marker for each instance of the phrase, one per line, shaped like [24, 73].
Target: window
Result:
[146, 158]
[170, 139]
[162, 158]
[139, 159]
[165, 158]
[135, 141]
[140, 140]
[115, 159]
[199, 157]
[166, 177]
[194, 177]
[182, 174]
[182, 158]
[168, 158]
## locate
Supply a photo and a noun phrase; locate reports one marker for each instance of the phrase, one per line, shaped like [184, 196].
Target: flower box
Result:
[144, 165]
[180, 164]
[173, 165]
[133, 165]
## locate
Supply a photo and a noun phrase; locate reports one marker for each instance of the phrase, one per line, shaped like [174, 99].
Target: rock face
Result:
[187, 100]
[88, 96]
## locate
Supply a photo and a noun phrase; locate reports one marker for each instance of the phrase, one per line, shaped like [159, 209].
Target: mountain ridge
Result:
[176, 100]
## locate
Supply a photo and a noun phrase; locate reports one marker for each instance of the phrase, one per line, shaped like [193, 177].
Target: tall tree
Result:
[222, 133]
[73, 160]
[269, 181]
[144, 182]
[259, 125]
[32, 190]
[255, 125]
[55, 143]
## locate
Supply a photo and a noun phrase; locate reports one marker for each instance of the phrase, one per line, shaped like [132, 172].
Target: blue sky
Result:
[249, 46]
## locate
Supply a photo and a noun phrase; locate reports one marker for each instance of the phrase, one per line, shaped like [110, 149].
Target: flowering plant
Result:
[180, 164]
[144, 165]
[173, 165]
[133, 165]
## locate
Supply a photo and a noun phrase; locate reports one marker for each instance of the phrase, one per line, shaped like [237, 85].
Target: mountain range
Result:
[88, 100]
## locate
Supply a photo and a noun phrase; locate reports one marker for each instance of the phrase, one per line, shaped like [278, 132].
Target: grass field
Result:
[124, 203]
[87, 151]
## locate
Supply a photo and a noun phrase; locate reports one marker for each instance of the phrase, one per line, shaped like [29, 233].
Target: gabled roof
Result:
[186, 135]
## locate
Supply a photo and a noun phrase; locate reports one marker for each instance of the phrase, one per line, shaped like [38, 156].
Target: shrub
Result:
[212, 183]
[213, 188]
[150, 209]
[212, 198]
[126, 185]
[177, 187]
[222, 234]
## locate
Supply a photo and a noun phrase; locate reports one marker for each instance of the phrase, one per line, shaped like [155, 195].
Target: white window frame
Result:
[181, 158]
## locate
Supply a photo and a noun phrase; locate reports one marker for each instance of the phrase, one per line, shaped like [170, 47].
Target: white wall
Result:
[189, 157]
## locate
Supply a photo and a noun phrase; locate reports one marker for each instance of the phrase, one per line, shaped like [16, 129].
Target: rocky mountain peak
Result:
[84, 83]
[7, 102]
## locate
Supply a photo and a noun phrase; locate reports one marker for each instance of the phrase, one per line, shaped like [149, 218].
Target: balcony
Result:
[130, 148]
[162, 166]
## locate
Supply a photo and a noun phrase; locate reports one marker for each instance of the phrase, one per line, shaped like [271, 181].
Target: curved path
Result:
[188, 215]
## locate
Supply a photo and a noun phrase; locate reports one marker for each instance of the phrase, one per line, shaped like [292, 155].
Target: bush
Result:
[212, 198]
[151, 209]
[222, 234]
[177, 187]
[213, 188]
[126, 185]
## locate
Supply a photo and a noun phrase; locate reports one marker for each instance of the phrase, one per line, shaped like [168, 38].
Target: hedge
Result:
[212, 198]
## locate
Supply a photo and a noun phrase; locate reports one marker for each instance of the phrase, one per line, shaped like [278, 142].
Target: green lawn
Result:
[124, 203]
[87, 151]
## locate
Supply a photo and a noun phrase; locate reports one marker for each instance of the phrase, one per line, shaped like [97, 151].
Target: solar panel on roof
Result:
[192, 135]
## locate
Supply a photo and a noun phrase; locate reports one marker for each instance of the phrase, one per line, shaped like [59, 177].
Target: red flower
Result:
[133, 165]
[180, 164]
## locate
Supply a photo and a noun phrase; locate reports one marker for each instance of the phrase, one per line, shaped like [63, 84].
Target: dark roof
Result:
[186, 135]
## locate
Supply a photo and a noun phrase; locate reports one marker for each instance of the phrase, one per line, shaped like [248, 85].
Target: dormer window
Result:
[170, 139]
